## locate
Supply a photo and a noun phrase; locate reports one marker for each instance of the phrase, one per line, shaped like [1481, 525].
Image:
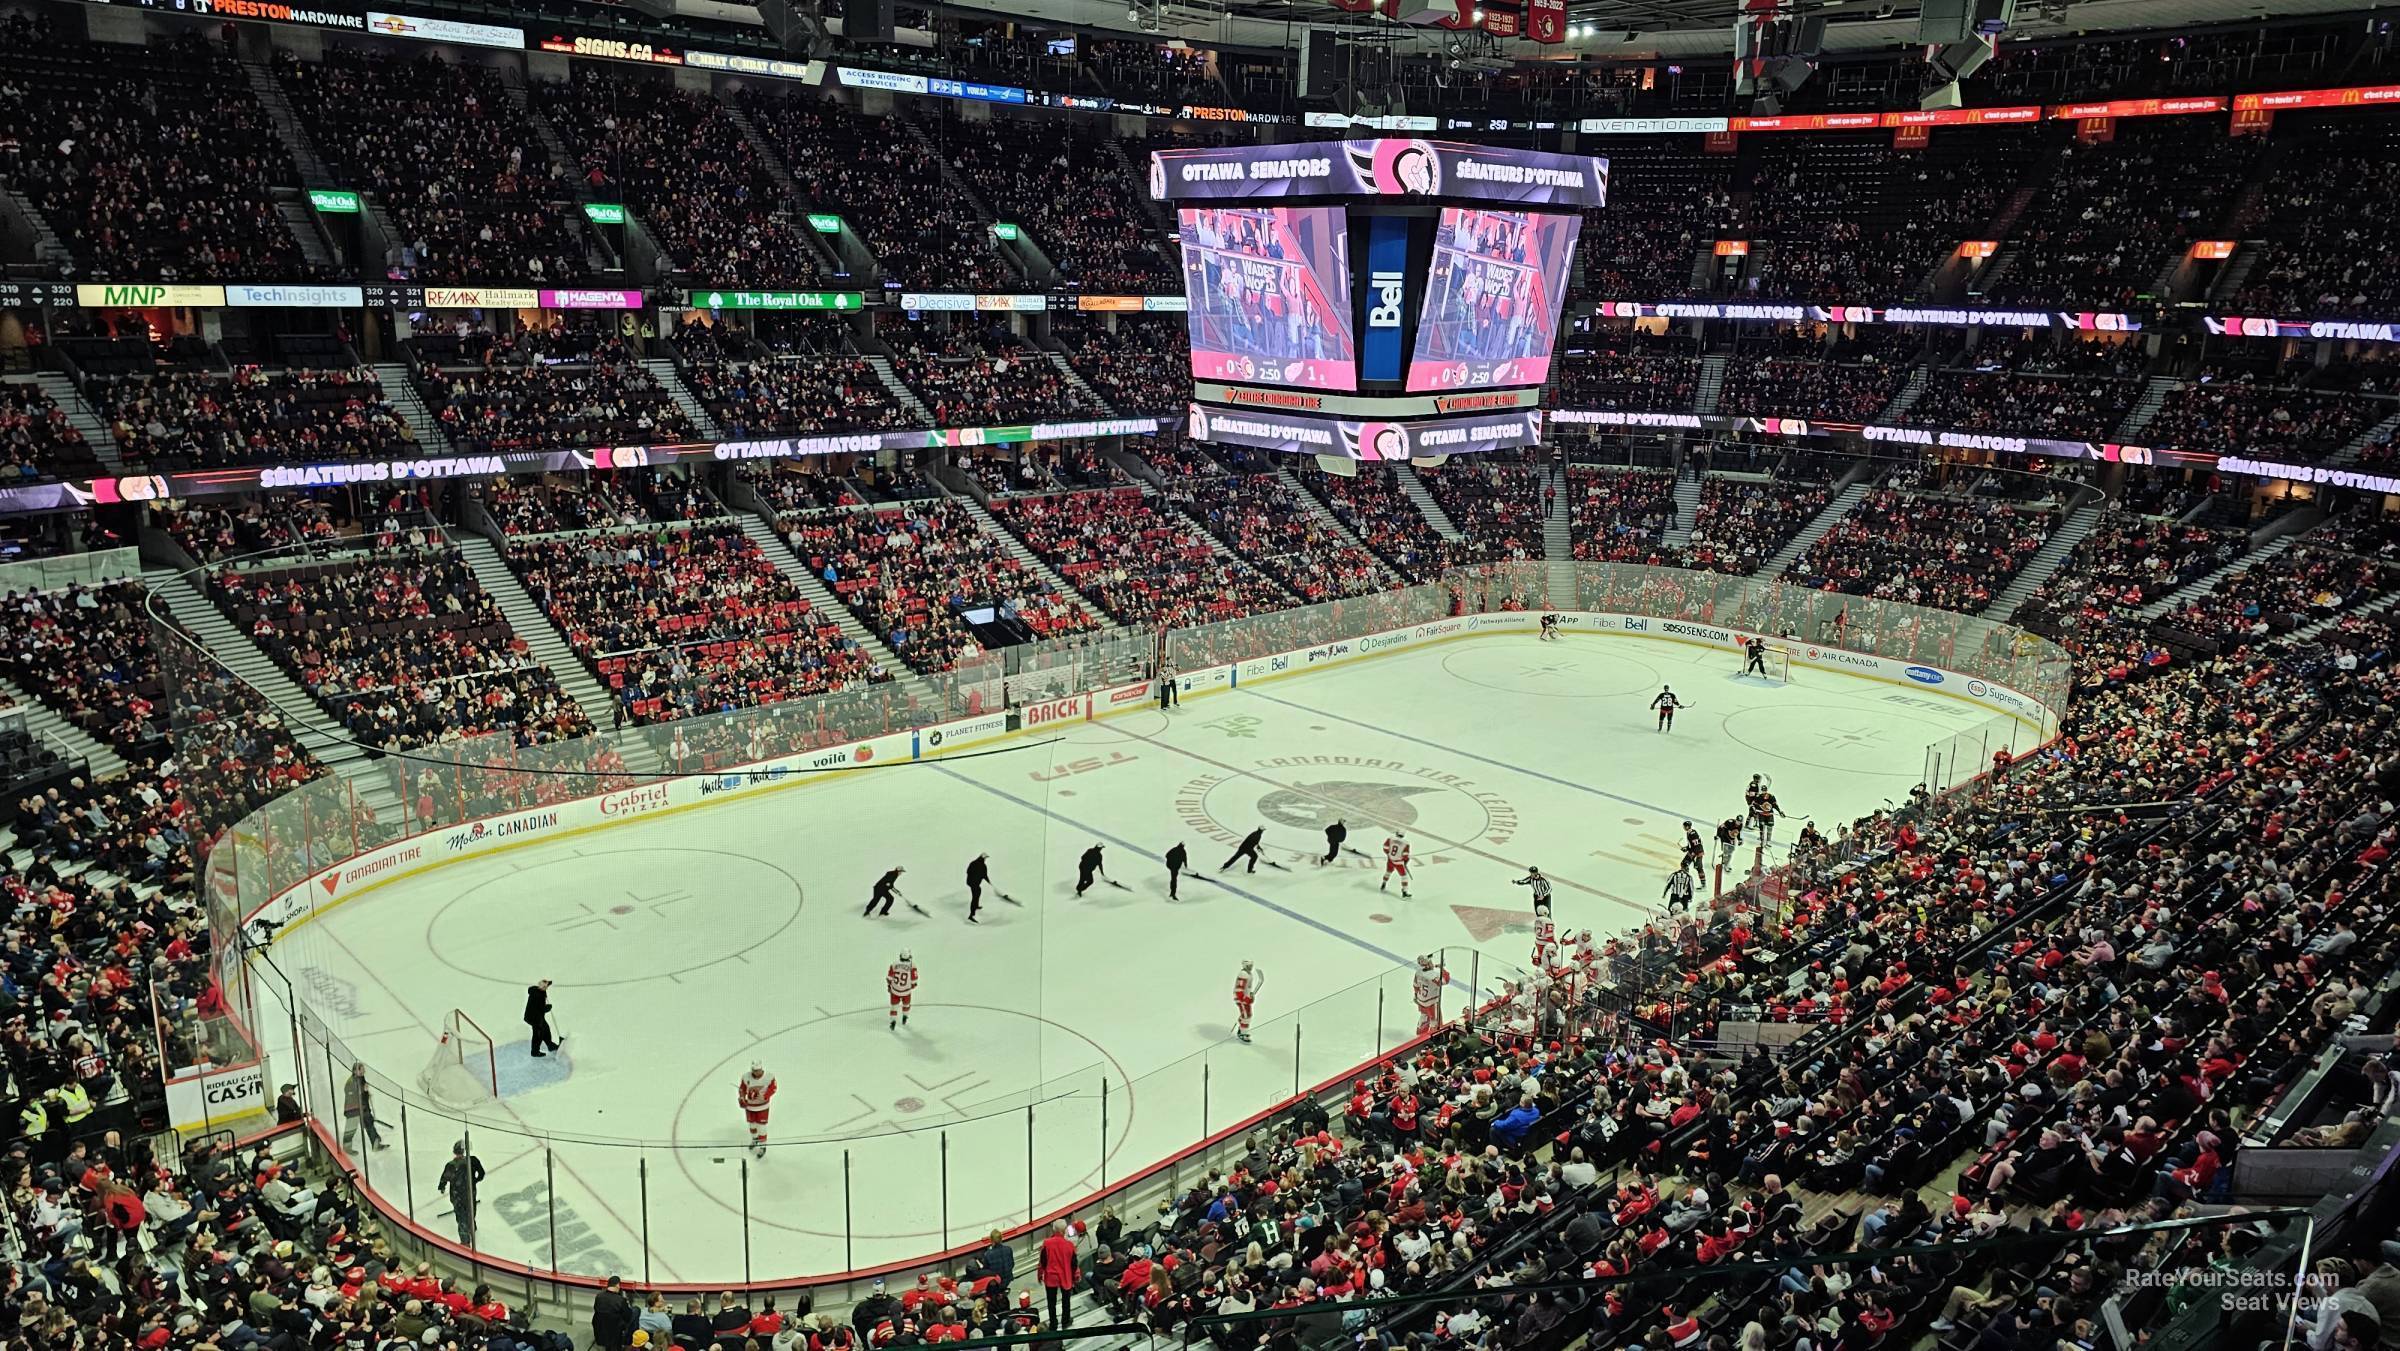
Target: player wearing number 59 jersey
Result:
[1247, 982]
[900, 979]
[1428, 990]
[1395, 862]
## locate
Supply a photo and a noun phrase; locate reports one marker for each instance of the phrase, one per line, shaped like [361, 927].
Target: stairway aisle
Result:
[1020, 551]
[542, 638]
[83, 418]
[1687, 510]
[47, 724]
[762, 533]
[2046, 560]
[1558, 547]
[1324, 516]
[1426, 506]
[405, 400]
[1815, 530]
[2207, 582]
[662, 369]
[318, 733]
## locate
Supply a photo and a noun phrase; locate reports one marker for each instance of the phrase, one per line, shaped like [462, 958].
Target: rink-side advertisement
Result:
[408, 857]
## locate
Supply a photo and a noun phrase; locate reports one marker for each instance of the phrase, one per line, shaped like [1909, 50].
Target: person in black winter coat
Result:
[612, 1317]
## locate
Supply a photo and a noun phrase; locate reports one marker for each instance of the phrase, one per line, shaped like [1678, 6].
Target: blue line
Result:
[1497, 764]
[1254, 898]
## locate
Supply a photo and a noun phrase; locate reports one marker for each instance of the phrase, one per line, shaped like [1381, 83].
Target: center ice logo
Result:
[1314, 806]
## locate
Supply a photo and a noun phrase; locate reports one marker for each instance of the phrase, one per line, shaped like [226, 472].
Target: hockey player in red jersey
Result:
[755, 1091]
[1395, 861]
[1429, 981]
[1246, 984]
[900, 979]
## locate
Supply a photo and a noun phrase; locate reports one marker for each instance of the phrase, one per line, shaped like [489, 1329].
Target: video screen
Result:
[1492, 299]
[1269, 295]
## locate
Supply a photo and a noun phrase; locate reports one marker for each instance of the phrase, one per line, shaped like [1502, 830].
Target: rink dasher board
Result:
[414, 856]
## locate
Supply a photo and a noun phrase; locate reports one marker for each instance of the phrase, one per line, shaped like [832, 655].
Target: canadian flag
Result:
[1546, 20]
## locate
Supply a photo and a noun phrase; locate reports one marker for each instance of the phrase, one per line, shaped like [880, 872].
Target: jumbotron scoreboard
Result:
[1385, 299]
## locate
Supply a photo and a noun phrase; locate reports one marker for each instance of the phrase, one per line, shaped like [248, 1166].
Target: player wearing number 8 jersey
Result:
[1395, 862]
[900, 979]
[754, 1092]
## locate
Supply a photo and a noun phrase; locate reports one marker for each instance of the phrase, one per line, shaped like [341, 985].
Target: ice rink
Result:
[1063, 1041]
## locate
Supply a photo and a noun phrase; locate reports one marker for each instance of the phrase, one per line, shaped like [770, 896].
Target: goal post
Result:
[464, 1071]
[1777, 659]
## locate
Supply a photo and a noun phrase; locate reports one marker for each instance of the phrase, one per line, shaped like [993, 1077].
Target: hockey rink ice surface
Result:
[686, 946]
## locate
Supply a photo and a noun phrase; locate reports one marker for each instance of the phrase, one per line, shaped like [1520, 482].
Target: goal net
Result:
[1778, 662]
[464, 1073]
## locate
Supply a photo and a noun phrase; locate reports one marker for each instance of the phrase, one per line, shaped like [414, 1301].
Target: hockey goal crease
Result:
[464, 1072]
[1778, 661]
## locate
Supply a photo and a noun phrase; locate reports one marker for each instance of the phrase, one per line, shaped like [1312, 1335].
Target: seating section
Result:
[1620, 516]
[2237, 417]
[610, 400]
[679, 160]
[1943, 552]
[152, 164]
[907, 574]
[1496, 506]
[873, 172]
[1378, 511]
[2127, 562]
[1136, 558]
[753, 393]
[2323, 204]
[2113, 216]
[450, 157]
[1639, 379]
[1739, 525]
[183, 420]
[405, 648]
[979, 377]
[1808, 387]
[680, 623]
[2276, 595]
[1143, 365]
[1648, 255]
[1057, 181]
[1270, 524]
[36, 439]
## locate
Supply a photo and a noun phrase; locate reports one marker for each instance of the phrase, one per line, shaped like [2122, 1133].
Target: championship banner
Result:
[1384, 167]
[1364, 440]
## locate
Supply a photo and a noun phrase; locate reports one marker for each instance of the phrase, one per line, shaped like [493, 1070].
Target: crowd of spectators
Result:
[908, 575]
[405, 647]
[679, 159]
[212, 531]
[1134, 556]
[1058, 181]
[152, 164]
[604, 398]
[979, 376]
[1271, 525]
[1646, 255]
[885, 183]
[2321, 211]
[1808, 387]
[1142, 365]
[2068, 408]
[813, 388]
[1174, 457]
[2238, 417]
[1377, 510]
[1620, 516]
[680, 622]
[36, 439]
[2113, 216]
[2127, 562]
[562, 502]
[217, 420]
[1740, 523]
[451, 159]
[2281, 592]
[1638, 378]
[2364, 528]
[1934, 551]
[1497, 506]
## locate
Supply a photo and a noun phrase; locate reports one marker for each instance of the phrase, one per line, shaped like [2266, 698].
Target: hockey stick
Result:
[1276, 866]
[1010, 899]
[914, 906]
[1117, 884]
[1354, 853]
